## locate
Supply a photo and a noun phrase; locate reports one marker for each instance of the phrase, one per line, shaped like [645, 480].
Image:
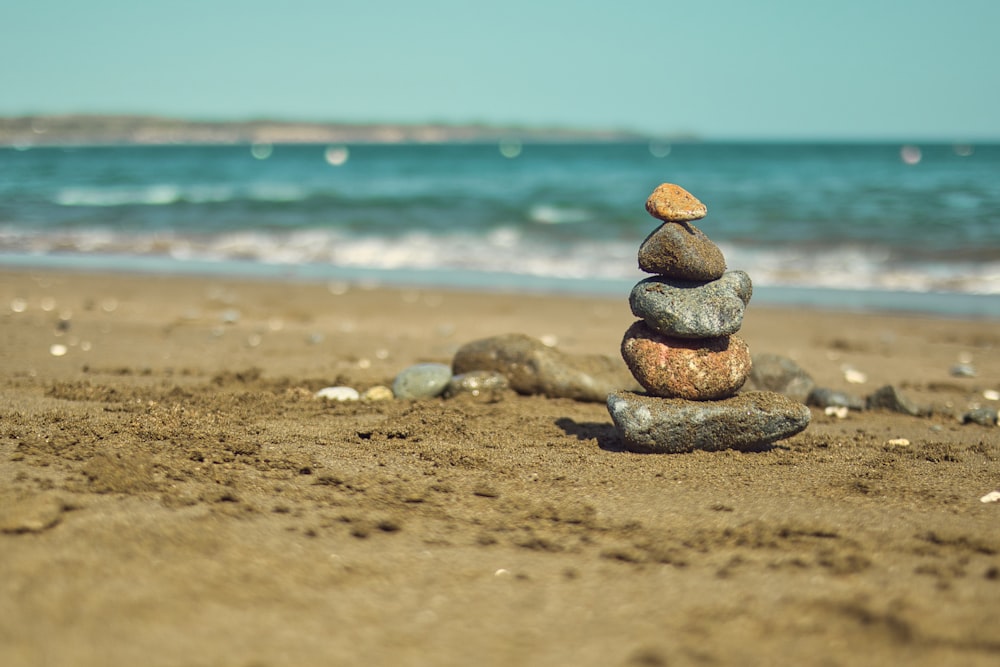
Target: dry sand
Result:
[171, 493]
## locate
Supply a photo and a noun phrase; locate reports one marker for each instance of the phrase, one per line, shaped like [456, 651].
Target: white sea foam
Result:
[508, 250]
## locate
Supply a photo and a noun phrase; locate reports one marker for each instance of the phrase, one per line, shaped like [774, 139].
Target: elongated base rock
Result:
[746, 421]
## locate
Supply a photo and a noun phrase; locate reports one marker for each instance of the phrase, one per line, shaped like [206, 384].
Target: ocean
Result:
[881, 226]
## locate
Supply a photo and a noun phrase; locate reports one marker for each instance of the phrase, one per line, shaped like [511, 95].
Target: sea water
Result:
[826, 224]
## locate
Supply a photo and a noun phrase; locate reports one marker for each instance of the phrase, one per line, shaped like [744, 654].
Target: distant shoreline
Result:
[77, 130]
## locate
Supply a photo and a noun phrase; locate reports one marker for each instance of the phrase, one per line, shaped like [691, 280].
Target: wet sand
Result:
[171, 493]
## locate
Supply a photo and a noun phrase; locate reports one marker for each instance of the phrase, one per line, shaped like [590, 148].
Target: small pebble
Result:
[18, 305]
[855, 376]
[377, 393]
[890, 398]
[991, 395]
[963, 371]
[339, 393]
[840, 412]
[991, 497]
[58, 350]
[421, 381]
[898, 442]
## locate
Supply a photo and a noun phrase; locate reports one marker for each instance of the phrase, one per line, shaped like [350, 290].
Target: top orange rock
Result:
[672, 203]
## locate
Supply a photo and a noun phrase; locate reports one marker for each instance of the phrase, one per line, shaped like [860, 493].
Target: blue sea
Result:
[871, 225]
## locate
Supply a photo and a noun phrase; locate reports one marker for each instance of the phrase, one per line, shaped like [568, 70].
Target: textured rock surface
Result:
[421, 381]
[698, 370]
[532, 367]
[672, 203]
[772, 372]
[681, 251]
[689, 309]
[747, 421]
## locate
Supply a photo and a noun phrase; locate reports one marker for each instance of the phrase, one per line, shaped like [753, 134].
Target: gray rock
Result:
[828, 398]
[692, 309]
[890, 398]
[772, 372]
[981, 416]
[746, 421]
[476, 384]
[532, 367]
[421, 381]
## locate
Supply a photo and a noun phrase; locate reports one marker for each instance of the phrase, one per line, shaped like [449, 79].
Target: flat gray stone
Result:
[532, 367]
[773, 372]
[421, 381]
[693, 309]
[890, 398]
[823, 397]
[666, 425]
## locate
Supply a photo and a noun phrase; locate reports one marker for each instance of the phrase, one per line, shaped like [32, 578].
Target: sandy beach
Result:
[171, 493]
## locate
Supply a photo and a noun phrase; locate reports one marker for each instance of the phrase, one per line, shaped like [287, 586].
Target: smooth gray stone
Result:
[890, 398]
[981, 416]
[690, 309]
[532, 367]
[829, 398]
[772, 372]
[749, 420]
[421, 381]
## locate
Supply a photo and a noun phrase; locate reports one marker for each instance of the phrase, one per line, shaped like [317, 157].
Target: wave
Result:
[167, 194]
[513, 250]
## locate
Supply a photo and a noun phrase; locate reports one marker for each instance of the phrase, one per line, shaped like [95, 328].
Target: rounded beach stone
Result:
[672, 203]
[532, 367]
[750, 420]
[421, 381]
[773, 372]
[689, 309]
[681, 251]
[339, 393]
[694, 369]
[377, 393]
[476, 384]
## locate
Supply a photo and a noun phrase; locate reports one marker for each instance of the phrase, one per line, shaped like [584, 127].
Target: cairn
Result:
[684, 350]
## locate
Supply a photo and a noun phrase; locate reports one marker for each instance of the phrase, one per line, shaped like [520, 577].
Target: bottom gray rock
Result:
[746, 421]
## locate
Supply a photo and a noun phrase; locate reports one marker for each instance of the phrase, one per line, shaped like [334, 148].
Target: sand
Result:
[172, 494]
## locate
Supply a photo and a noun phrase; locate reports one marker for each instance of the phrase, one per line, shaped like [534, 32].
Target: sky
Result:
[719, 69]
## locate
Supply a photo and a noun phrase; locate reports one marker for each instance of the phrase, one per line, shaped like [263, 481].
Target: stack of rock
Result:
[684, 350]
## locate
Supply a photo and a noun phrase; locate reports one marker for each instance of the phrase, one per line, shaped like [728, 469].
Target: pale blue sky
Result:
[868, 69]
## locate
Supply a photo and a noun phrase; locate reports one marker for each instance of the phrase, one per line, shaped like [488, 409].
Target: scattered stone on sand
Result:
[897, 442]
[378, 392]
[672, 203]
[963, 371]
[339, 393]
[682, 252]
[890, 398]
[772, 372]
[991, 394]
[688, 309]
[981, 416]
[991, 497]
[421, 381]
[696, 369]
[531, 367]
[31, 515]
[822, 397]
[489, 384]
[749, 420]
